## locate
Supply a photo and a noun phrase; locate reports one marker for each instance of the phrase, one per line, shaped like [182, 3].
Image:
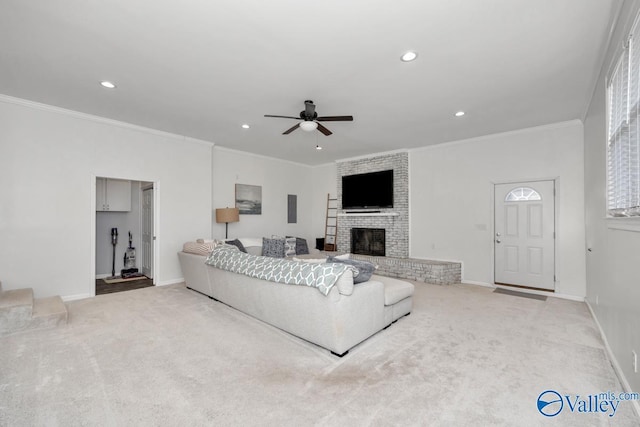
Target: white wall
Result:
[613, 270]
[49, 159]
[451, 202]
[278, 179]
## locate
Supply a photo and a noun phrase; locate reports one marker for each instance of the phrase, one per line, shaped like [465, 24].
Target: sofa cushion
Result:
[251, 241]
[309, 259]
[394, 289]
[365, 269]
[254, 250]
[237, 243]
[273, 247]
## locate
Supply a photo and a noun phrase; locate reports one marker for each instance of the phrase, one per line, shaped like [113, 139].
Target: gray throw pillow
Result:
[273, 248]
[365, 268]
[237, 243]
[301, 246]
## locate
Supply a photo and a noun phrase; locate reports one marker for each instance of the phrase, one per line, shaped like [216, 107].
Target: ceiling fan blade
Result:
[288, 131]
[324, 130]
[309, 109]
[335, 119]
[282, 117]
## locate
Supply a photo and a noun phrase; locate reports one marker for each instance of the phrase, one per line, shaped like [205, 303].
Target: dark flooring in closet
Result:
[106, 288]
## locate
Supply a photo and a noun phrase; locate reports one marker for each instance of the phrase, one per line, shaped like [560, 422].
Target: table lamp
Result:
[227, 215]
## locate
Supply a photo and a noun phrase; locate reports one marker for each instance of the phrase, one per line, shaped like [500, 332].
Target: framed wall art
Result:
[249, 199]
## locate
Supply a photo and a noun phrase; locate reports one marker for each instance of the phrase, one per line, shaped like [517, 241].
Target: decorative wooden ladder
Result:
[331, 225]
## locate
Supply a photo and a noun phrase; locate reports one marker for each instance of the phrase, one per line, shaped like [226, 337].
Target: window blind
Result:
[623, 147]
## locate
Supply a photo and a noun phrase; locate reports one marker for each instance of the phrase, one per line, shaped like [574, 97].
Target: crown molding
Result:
[553, 126]
[260, 156]
[98, 119]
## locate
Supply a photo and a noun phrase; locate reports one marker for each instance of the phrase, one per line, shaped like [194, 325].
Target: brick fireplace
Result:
[394, 221]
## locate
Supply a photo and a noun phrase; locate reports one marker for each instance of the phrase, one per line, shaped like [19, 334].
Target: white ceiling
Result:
[203, 68]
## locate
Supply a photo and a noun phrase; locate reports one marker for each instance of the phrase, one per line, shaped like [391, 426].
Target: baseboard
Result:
[564, 296]
[544, 293]
[525, 290]
[170, 282]
[471, 282]
[614, 361]
[102, 276]
[75, 297]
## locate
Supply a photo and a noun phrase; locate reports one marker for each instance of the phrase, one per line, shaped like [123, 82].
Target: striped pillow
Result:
[198, 248]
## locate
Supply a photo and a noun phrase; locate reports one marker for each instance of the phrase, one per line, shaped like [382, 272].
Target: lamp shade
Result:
[309, 125]
[227, 215]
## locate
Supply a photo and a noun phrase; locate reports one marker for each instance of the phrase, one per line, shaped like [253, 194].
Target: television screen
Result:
[368, 190]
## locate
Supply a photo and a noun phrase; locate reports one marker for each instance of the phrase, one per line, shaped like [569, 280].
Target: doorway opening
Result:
[525, 232]
[124, 235]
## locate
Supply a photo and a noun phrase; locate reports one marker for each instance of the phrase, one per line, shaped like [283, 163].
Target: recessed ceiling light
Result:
[245, 126]
[318, 147]
[108, 85]
[460, 114]
[409, 56]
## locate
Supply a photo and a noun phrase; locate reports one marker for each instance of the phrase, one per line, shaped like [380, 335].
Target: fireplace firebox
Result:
[368, 241]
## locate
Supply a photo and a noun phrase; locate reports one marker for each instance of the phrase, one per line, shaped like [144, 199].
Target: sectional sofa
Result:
[343, 318]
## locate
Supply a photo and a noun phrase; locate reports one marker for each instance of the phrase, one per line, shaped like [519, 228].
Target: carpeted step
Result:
[48, 313]
[16, 307]
[20, 312]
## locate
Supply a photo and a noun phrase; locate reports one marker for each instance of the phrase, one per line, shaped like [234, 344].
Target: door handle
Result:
[498, 241]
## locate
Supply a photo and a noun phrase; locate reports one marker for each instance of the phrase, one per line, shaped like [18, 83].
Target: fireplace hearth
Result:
[368, 241]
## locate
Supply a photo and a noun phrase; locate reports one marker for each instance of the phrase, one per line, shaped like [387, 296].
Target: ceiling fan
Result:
[310, 120]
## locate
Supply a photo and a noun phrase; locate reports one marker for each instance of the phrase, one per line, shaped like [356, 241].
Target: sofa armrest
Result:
[194, 272]
[345, 283]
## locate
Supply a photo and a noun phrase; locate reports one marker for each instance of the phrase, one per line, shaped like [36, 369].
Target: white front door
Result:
[524, 241]
[147, 232]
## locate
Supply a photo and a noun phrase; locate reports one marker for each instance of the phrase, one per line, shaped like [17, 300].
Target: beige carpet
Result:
[169, 356]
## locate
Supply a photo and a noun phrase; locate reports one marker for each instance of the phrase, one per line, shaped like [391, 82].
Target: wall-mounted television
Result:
[368, 190]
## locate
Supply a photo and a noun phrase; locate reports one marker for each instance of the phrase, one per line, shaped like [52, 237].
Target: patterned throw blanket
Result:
[320, 276]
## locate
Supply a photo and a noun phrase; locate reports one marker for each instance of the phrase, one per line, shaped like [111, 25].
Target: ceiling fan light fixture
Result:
[318, 147]
[309, 125]
[245, 126]
[107, 84]
[459, 114]
[409, 56]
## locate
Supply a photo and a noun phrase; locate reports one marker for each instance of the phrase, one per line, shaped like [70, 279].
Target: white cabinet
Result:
[113, 195]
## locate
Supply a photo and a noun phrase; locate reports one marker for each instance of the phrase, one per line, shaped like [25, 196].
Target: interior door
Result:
[147, 232]
[524, 241]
